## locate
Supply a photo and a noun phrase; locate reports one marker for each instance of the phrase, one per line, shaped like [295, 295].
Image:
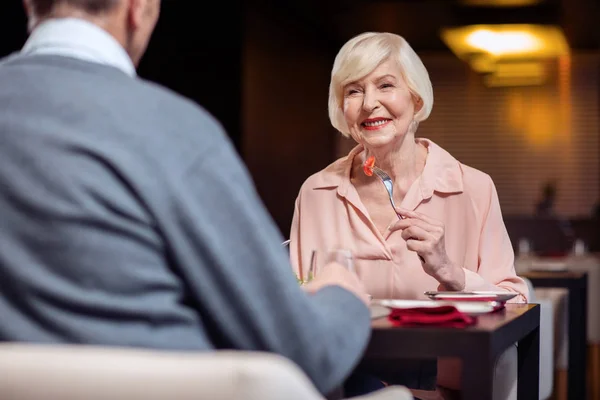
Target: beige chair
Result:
[48, 372]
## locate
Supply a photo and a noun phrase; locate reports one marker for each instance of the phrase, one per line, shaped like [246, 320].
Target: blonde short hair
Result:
[365, 52]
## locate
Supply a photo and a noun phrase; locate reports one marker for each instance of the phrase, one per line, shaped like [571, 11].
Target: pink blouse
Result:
[330, 214]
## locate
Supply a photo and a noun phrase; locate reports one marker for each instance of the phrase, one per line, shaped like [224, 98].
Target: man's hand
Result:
[336, 274]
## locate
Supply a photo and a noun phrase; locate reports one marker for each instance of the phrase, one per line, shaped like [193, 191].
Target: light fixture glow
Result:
[507, 54]
[517, 74]
[520, 41]
[496, 81]
[504, 43]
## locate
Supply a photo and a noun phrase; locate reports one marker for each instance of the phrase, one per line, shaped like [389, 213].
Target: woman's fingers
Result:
[416, 215]
[408, 222]
[415, 233]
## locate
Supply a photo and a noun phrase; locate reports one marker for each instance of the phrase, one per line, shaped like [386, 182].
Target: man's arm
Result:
[229, 253]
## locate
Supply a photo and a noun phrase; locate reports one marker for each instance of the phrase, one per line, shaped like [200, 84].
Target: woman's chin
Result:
[379, 142]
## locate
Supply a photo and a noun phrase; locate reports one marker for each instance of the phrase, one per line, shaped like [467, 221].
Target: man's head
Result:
[130, 22]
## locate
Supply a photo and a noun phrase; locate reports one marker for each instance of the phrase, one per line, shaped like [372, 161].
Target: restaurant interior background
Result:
[516, 86]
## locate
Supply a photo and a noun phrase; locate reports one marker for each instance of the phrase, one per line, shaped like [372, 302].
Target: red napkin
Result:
[445, 316]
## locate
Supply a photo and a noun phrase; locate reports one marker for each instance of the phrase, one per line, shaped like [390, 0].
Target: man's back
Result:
[87, 172]
[127, 219]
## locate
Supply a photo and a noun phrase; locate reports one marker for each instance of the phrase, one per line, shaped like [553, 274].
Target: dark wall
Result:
[13, 27]
[192, 52]
[198, 54]
[287, 134]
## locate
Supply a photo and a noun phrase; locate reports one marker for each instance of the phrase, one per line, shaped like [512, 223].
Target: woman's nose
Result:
[370, 101]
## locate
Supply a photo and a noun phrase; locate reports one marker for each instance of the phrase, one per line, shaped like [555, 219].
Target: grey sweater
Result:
[127, 219]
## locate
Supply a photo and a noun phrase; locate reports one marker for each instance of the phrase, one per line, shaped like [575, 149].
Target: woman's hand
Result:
[425, 236]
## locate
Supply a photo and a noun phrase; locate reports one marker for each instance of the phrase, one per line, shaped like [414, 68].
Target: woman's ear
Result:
[418, 103]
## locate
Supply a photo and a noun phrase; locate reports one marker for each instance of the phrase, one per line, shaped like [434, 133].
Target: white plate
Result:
[471, 296]
[379, 311]
[472, 308]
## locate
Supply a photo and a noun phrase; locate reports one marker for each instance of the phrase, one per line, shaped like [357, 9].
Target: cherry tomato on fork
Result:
[368, 166]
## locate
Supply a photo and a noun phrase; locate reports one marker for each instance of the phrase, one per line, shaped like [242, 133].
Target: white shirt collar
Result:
[77, 38]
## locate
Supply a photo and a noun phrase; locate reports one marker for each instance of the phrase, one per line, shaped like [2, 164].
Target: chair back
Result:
[41, 372]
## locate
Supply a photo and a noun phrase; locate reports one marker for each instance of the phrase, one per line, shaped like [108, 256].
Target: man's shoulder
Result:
[107, 83]
[173, 105]
[134, 113]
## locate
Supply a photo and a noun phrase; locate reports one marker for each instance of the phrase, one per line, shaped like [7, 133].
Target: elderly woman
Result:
[452, 236]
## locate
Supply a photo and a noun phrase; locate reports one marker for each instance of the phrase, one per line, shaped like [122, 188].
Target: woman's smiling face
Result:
[379, 108]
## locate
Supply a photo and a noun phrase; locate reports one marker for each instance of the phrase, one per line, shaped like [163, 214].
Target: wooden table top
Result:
[492, 332]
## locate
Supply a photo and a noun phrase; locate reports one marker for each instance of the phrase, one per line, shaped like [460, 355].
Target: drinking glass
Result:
[320, 258]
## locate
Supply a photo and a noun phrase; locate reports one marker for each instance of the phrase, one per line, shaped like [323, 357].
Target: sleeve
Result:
[229, 254]
[295, 246]
[496, 257]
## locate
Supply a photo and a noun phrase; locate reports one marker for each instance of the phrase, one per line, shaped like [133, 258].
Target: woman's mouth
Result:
[374, 124]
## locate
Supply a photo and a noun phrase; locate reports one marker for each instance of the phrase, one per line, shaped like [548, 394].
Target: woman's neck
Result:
[403, 162]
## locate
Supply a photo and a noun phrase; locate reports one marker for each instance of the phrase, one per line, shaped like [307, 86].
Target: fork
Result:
[389, 187]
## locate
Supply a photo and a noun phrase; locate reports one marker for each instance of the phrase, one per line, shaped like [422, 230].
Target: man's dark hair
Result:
[44, 7]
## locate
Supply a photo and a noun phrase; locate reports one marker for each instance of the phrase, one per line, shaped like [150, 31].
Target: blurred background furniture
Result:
[576, 285]
[546, 341]
[584, 312]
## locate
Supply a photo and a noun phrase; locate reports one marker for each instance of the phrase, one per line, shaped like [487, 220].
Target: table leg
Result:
[528, 384]
[576, 386]
[478, 375]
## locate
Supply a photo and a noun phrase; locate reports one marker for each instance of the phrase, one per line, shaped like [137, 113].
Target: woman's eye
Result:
[352, 91]
[386, 85]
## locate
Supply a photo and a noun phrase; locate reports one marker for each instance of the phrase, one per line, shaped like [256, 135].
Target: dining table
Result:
[478, 346]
